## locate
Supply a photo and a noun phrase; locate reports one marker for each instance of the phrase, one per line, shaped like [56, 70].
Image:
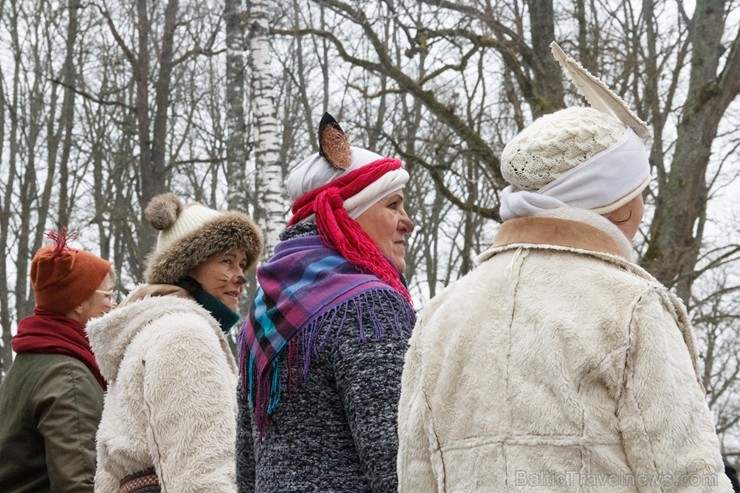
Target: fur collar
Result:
[587, 233]
[145, 290]
[570, 228]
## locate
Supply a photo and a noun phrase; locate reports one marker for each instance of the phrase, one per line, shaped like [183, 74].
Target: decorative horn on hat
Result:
[598, 95]
[333, 143]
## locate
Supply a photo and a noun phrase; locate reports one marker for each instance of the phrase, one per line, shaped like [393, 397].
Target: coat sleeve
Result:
[190, 399]
[368, 377]
[667, 430]
[67, 404]
[105, 482]
[414, 464]
[245, 473]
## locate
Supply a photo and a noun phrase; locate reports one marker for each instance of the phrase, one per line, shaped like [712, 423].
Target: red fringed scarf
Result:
[51, 333]
[342, 233]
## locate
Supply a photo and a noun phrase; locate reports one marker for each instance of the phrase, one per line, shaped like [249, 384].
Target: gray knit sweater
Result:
[337, 431]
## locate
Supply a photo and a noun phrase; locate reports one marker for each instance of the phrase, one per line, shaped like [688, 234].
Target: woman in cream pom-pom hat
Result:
[169, 418]
[558, 364]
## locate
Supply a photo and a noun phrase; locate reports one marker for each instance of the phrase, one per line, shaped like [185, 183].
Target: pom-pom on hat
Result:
[62, 277]
[190, 234]
[591, 158]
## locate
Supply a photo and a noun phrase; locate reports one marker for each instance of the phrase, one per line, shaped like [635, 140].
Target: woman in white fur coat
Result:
[558, 364]
[169, 416]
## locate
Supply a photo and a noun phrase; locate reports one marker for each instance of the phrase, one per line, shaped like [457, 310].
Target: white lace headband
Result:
[604, 183]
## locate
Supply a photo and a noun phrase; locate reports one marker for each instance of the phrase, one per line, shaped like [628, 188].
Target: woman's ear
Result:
[75, 313]
[333, 143]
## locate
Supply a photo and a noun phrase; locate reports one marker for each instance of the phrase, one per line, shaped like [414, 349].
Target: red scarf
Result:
[339, 231]
[51, 333]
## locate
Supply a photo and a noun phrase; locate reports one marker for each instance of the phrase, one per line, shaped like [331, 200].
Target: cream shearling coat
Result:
[171, 400]
[555, 365]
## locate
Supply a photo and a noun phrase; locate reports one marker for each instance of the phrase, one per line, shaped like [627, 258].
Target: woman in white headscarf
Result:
[558, 364]
[323, 345]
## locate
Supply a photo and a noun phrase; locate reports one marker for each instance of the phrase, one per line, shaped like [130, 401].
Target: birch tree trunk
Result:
[269, 207]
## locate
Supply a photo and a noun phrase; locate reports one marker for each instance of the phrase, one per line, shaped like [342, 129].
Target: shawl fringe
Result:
[306, 345]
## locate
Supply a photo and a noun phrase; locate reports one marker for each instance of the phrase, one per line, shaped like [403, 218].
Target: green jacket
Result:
[50, 407]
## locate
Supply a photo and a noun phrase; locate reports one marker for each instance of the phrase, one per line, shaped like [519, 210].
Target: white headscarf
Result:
[315, 171]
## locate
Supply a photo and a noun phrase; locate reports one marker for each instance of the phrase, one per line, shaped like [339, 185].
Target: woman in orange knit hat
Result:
[52, 397]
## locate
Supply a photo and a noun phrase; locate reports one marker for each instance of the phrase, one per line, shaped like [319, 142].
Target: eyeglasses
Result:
[112, 295]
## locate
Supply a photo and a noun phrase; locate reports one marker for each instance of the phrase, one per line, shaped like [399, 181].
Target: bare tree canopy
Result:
[105, 104]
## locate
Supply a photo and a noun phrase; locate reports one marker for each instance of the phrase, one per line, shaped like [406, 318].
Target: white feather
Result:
[598, 95]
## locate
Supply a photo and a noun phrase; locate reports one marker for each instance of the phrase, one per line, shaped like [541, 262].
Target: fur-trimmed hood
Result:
[171, 400]
[190, 234]
[111, 334]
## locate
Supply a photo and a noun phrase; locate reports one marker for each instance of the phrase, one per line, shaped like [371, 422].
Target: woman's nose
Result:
[111, 306]
[406, 225]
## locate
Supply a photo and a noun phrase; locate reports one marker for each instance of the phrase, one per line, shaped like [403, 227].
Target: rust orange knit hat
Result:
[62, 277]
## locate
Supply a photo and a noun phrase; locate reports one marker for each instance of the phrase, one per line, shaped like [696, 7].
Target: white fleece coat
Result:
[171, 400]
[555, 365]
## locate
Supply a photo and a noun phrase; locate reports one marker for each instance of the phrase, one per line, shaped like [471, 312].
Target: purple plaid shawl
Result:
[301, 288]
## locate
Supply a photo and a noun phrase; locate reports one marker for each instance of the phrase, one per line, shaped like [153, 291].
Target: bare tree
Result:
[104, 104]
[66, 120]
[29, 174]
[6, 318]
[717, 312]
[152, 115]
[644, 50]
[680, 211]
[237, 136]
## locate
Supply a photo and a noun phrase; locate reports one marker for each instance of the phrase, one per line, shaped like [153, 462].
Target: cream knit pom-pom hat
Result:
[190, 234]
